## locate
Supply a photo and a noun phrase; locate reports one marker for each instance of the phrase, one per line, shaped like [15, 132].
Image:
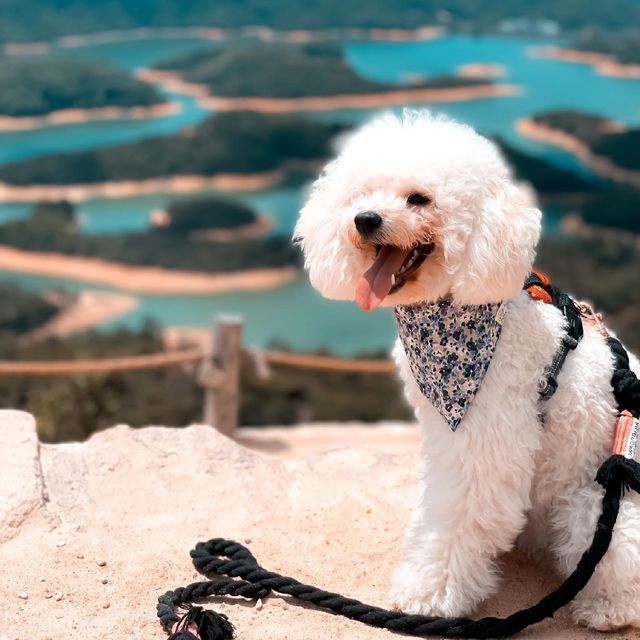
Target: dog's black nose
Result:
[367, 222]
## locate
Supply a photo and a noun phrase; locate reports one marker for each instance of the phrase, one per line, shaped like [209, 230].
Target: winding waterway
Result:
[295, 314]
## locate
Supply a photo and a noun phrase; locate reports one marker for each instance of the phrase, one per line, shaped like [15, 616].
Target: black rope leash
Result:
[237, 573]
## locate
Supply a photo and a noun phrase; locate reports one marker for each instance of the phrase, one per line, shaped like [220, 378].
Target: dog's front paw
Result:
[429, 596]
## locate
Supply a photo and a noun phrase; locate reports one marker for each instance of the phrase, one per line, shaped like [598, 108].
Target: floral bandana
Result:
[449, 348]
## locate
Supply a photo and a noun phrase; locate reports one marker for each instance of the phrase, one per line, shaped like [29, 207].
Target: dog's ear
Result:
[501, 245]
[319, 235]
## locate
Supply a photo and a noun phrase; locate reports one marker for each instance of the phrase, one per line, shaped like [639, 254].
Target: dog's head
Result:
[415, 209]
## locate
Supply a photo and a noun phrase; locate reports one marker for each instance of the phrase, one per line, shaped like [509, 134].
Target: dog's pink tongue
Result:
[376, 282]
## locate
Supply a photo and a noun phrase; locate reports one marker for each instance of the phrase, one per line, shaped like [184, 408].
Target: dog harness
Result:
[625, 384]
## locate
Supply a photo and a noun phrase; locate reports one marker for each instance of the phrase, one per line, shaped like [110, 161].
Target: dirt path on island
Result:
[127, 188]
[78, 116]
[598, 164]
[257, 229]
[481, 70]
[574, 224]
[603, 63]
[89, 310]
[146, 280]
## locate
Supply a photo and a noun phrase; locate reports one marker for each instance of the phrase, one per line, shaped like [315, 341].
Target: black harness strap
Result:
[236, 572]
[571, 338]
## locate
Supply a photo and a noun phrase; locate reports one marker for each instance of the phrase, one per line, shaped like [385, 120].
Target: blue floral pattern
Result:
[449, 348]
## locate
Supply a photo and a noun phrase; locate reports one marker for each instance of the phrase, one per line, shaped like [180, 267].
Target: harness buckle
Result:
[550, 384]
[547, 388]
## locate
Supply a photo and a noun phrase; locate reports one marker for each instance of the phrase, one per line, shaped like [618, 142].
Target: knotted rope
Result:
[237, 573]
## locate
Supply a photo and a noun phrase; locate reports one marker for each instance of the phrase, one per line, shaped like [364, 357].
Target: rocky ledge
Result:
[92, 533]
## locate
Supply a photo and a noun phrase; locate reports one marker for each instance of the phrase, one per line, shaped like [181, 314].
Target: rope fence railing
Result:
[329, 363]
[99, 365]
[218, 368]
[187, 356]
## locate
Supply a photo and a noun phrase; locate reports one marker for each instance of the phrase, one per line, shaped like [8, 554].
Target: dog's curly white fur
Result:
[502, 477]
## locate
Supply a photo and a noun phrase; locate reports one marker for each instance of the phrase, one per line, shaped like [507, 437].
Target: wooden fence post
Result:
[220, 375]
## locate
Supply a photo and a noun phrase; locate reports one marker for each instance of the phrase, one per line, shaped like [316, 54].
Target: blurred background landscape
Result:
[154, 155]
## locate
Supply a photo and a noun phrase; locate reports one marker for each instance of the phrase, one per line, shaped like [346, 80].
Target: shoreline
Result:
[125, 188]
[79, 116]
[426, 32]
[171, 81]
[261, 227]
[600, 165]
[87, 311]
[139, 279]
[481, 70]
[603, 63]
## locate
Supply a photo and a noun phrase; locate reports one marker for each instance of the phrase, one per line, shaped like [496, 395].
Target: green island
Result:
[234, 142]
[287, 71]
[618, 145]
[623, 46]
[38, 86]
[51, 227]
[606, 203]
[195, 214]
[55, 18]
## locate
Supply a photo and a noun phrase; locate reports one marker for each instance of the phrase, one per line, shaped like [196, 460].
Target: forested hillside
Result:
[28, 20]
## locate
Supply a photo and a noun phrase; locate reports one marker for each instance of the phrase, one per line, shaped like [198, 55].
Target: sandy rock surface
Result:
[92, 533]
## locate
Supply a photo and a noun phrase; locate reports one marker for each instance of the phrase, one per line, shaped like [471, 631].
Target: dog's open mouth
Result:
[390, 271]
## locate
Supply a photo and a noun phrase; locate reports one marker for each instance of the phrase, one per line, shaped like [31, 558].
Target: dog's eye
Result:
[418, 199]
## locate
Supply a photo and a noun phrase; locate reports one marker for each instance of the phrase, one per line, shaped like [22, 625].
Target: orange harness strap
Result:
[537, 285]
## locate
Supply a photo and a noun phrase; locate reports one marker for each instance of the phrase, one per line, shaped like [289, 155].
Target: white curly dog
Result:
[423, 211]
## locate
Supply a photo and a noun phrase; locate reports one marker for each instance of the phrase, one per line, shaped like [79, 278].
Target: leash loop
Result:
[237, 573]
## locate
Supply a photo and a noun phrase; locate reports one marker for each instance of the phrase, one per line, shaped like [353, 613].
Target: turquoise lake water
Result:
[295, 314]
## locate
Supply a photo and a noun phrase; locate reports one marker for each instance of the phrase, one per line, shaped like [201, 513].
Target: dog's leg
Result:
[474, 496]
[611, 599]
